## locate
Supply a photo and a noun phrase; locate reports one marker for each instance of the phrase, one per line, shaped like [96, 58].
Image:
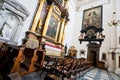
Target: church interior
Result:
[59, 40]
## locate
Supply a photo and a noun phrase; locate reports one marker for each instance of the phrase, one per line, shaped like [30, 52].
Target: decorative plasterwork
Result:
[12, 16]
[16, 7]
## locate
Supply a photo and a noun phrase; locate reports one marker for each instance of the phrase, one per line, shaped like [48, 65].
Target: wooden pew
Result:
[29, 60]
[68, 67]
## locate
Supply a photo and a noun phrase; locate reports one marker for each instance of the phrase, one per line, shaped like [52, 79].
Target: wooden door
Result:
[92, 57]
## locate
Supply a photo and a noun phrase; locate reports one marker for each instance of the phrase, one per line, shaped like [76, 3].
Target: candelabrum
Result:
[114, 22]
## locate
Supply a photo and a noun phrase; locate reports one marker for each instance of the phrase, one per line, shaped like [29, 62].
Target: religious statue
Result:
[39, 27]
[7, 27]
[72, 52]
[64, 51]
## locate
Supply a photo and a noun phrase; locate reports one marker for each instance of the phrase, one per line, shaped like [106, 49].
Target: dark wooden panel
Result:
[101, 64]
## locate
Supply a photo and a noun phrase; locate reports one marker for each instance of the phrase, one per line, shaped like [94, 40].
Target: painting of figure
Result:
[52, 28]
[92, 17]
[53, 25]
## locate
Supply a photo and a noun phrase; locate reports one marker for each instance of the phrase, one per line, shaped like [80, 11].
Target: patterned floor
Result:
[93, 74]
[98, 74]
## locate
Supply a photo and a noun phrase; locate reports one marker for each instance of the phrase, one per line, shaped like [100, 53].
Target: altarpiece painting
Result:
[53, 24]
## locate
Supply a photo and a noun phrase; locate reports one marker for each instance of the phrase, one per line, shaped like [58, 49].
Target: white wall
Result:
[70, 26]
[76, 30]
[30, 5]
[105, 47]
[118, 18]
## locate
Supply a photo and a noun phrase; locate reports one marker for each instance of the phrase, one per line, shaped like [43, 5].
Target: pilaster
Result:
[117, 70]
[113, 39]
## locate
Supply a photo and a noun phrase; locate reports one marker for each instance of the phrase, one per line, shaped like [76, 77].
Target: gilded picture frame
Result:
[92, 17]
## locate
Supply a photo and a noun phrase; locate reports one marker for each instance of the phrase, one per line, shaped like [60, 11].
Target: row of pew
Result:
[16, 57]
[66, 67]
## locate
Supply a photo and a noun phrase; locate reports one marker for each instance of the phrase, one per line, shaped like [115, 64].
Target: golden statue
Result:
[40, 22]
[72, 51]
[39, 27]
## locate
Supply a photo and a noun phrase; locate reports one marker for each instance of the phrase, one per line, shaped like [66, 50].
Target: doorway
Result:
[93, 53]
[92, 57]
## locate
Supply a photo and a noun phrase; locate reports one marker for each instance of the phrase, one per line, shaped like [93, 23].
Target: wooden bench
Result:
[29, 60]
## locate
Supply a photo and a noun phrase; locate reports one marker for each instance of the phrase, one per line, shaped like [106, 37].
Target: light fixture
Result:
[114, 22]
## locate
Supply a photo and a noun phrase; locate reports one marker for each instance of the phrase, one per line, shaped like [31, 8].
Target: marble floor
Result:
[92, 74]
[98, 74]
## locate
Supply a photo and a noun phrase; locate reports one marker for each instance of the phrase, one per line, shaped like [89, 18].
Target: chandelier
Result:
[114, 22]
